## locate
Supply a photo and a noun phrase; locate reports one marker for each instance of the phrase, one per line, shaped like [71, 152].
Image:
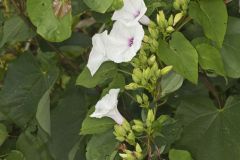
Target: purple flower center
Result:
[136, 14]
[130, 42]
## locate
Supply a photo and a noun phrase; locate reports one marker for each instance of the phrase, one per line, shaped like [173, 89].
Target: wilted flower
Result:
[132, 12]
[107, 107]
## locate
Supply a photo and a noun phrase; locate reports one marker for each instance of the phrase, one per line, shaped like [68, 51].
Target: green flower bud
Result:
[124, 156]
[135, 78]
[132, 86]
[143, 82]
[138, 73]
[151, 60]
[155, 44]
[137, 128]
[138, 148]
[150, 118]
[126, 125]
[185, 6]
[146, 39]
[145, 98]
[139, 99]
[177, 18]
[166, 70]
[152, 24]
[161, 18]
[170, 29]
[119, 130]
[147, 73]
[121, 139]
[170, 20]
[154, 67]
[176, 5]
[131, 138]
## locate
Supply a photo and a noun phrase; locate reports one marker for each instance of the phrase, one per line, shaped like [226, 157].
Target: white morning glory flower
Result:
[124, 42]
[121, 45]
[132, 12]
[107, 107]
[98, 53]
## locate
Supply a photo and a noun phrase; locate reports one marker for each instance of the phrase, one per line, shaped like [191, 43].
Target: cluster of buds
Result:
[143, 100]
[132, 155]
[124, 132]
[146, 72]
[149, 121]
[181, 5]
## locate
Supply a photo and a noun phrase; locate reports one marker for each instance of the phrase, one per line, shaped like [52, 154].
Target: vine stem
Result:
[212, 89]
[185, 21]
[128, 73]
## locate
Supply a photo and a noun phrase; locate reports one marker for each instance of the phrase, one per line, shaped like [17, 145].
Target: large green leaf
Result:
[14, 30]
[49, 26]
[231, 48]
[210, 133]
[96, 126]
[106, 71]
[210, 59]
[15, 155]
[32, 146]
[67, 118]
[101, 146]
[99, 6]
[181, 55]
[213, 21]
[25, 84]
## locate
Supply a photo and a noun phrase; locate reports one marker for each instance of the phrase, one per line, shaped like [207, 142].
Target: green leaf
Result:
[66, 119]
[231, 48]
[210, 59]
[210, 133]
[99, 6]
[213, 21]
[181, 55]
[106, 71]
[170, 83]
[32, 146]
[15, 155]
[25, 84]
[15, 30]
[3, 133]
[95, 125]
[49, 26]
[179, 155]
[101, 146]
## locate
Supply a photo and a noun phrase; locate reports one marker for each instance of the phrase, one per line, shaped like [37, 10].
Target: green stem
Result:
[185, 21]
[125, 72]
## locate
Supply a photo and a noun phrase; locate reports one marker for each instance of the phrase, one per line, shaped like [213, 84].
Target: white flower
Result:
[124, 42]
[98, 54]
[132, 12]
[107, 107]
[121, 45]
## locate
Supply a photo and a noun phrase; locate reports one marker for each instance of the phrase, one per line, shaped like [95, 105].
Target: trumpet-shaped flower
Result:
[98, 54]
[132, 12]
[121, 45]
[107, 107]
[125, 41]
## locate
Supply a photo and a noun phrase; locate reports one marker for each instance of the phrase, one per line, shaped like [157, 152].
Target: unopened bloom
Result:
[98, 53]
[107, 107]
[132, 12]
[125, 41]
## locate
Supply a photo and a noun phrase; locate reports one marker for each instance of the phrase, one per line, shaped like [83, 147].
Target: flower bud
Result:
[170, 29]
[132, 86]
[126, 125]
[151, 60]
[166, 70]
[155, 44]
[131, 138]
[170, 20]
[145, 98]
[119, 130]
[176, 5]
[161, 18]
[138, 148]
[135, 78]
[177, 18]
[139, 99]
[150, 118]
[147, 73]
[120, 138]
[146, 39]
[137, 72]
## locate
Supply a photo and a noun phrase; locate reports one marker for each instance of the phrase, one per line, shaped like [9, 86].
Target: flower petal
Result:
[131, 12]
[107, 107]
[98, 53]
[121, 35]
